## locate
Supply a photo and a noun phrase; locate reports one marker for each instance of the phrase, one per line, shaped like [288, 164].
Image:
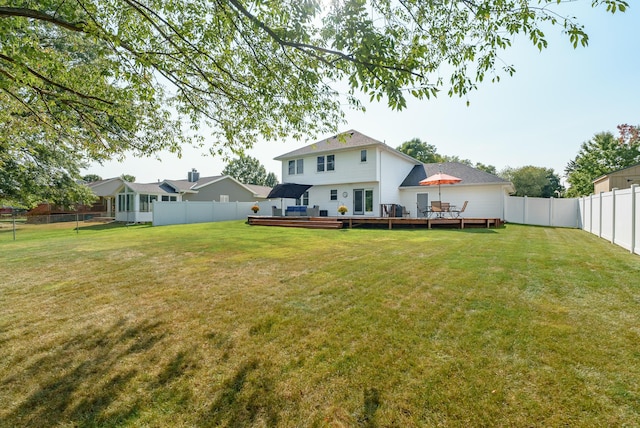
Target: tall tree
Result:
[534, 181]
[487, 168]
[34, 171]
[89, 178]
[599, 156]
[271, 180]
[249, 170]
[420, 150]
[101, 78]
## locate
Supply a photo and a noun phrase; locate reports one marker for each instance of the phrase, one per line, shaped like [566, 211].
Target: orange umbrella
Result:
[440, 179]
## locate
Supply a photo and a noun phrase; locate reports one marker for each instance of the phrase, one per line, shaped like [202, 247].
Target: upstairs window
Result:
[363, 155]
[296, 166]
[326, 163]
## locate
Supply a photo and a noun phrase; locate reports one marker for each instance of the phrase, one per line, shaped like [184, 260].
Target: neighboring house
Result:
[105, 191]
[134, 201]
[620, 179]
[362, 173]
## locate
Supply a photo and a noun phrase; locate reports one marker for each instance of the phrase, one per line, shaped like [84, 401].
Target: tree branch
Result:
[305, 47]
[41, 16]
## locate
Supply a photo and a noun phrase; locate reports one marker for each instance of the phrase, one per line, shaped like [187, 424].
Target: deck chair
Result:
[436, 208]
[275, 211]
[461, 210]
[405, 213]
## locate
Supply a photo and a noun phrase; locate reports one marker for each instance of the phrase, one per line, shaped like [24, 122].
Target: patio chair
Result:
[313, 211]
[436, 208]
[461, 210]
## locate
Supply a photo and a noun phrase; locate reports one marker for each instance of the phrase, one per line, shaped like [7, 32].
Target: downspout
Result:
[379, 177]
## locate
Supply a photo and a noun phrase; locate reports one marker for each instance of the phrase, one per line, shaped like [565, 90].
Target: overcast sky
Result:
[557, 99]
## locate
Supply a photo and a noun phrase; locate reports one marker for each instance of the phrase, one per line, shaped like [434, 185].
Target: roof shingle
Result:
[342, 141]
[469, 175]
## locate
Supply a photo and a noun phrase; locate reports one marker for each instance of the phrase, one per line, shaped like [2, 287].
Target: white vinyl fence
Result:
[613, 216]
[165, 213]
[542, 211]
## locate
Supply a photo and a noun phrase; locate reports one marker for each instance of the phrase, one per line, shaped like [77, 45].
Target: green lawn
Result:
[223, 324]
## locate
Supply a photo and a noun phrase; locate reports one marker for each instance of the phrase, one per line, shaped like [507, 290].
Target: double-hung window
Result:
[331, 162]
[304, 200]
[326, 163]
[333, 195]
[296, 166]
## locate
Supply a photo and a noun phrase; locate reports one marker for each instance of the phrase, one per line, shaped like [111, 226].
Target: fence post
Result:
[600, 219]
[633, 217]
[525, 207]
[591, 213]
[613, 215]
[551, 211]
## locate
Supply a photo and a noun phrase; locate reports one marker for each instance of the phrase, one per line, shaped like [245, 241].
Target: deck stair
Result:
[306, 222]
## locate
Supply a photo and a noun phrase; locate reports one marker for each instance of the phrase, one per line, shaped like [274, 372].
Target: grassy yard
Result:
[230, 325]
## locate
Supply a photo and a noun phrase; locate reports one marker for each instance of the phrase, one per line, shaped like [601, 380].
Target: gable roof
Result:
[259, 191]
[615, 172]
[98, 183]
[186, 186]
[153, 188]
[344, 141]
[468, 174]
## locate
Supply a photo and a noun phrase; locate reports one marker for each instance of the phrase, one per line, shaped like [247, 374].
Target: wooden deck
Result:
[387, 222]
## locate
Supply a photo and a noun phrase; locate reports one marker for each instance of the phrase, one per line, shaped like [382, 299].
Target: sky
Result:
[540, 116]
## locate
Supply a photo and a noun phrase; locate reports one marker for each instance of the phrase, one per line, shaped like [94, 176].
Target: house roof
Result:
[191, 186]
[259, 191]
[344, 141]
[615, 172]
[468, 174]
[153, 188]
[93, 184]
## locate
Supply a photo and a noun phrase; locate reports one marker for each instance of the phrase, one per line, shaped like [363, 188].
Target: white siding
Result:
[485, 201]
[392, 172]
[348, 168]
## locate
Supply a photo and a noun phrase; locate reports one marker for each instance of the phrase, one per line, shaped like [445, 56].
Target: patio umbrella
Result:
[288, 190]
[440, 179]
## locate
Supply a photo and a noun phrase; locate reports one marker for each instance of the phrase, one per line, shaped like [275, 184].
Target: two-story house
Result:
[349, 169]
[364, 174]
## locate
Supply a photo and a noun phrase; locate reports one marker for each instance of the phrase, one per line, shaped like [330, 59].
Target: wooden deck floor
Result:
[387, 222]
